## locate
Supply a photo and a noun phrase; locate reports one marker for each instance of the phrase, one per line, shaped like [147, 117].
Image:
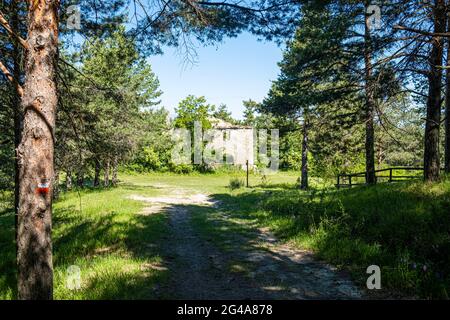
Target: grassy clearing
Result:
[115, 248]
[402, 227]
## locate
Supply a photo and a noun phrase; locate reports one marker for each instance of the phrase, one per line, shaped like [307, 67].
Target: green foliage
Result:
[196, 109]
[181, 168]
[236, 183]
[107, 110]
[222, 113]
[290, 150]
[154, 148]
[257, 117]
[6, 201]
[313, 90]
[150, 159]
[399, 135]
[250, 110]
[320, 84]
[193, 109]
[6, 136]
[211, 22]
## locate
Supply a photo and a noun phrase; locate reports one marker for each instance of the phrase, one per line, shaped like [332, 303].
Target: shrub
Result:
[6, 201]
[181, 168]
[236, 183]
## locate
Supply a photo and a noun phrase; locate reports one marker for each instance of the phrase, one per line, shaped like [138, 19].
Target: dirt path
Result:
[199, 270]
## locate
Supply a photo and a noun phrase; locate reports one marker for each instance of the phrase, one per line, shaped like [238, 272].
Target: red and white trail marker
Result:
[43, 187]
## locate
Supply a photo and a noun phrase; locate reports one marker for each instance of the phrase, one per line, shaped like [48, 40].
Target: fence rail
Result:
[345, 180]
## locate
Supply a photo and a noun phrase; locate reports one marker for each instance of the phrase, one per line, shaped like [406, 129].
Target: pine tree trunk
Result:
[114, 173]
[80, 179]
[97, 173]
[304, 177]
[447, 107]
[36, 151]
[369, 107]
[106, 179]
[17, 113]
[431, 153]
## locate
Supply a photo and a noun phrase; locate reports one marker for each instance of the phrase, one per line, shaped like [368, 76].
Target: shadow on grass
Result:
[116, 253]
[404, 228]
[261, 272]
[119, 251]
[8, 275]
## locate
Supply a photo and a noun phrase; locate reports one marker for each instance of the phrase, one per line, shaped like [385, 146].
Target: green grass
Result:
[115, 248]
[7, 257]
[402, 227]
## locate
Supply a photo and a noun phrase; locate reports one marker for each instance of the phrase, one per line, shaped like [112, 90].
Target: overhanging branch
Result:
[11, 32]
[11, 78]
[423, 32]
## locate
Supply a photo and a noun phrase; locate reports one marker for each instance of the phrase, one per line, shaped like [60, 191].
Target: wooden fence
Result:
[382, 175]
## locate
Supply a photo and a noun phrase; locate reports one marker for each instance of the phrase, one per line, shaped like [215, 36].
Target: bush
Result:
[6, 201]
[181, 168]
[236, 183]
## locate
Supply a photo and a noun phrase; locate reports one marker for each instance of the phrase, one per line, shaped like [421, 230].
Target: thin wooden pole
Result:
[246, 163]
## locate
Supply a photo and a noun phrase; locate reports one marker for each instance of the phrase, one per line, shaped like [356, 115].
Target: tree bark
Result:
[106, 179]
[80, 178]
[304, 176]
[369, 105]
[115, 169]
[97, 173]
[17, 112]
[432, 126]
[36, 153]
[447, 107]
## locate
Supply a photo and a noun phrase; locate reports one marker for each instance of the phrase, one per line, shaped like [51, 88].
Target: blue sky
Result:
[235, 70]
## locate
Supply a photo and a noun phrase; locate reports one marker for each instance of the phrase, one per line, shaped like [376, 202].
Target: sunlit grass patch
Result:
[240, 267]
[111, 277]
[101, 232]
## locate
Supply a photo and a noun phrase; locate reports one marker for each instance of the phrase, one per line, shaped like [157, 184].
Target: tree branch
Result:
[244, 8]
[11, 32]
[423, 32]
[11, 78]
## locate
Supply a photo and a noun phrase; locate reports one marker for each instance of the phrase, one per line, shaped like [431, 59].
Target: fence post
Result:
[390, 174]
[338, 182]
[247, 172]
[350, 181]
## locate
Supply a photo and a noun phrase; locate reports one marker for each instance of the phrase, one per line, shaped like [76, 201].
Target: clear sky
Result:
[230, 72]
